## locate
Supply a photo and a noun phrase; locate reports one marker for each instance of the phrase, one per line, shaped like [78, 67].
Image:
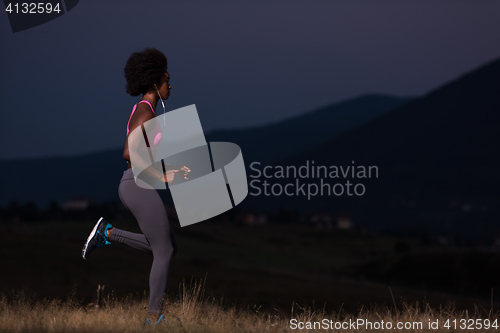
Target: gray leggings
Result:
[157, 238]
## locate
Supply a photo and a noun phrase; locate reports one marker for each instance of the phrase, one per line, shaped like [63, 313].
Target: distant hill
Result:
[42, 180]
[282, 139]
[97, 175]
[437, 157]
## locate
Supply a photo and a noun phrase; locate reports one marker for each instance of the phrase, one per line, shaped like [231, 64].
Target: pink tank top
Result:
[157, 127]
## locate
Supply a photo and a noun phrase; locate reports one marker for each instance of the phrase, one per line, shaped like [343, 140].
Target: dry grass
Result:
[193, 312]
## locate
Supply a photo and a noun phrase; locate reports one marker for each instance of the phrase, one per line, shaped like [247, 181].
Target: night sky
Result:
[242, 63]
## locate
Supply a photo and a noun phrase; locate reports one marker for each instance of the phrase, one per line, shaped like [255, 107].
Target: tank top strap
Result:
[149, 106]
[133, 110]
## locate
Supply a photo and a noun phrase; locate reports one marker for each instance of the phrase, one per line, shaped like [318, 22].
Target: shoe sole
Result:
[92, 234]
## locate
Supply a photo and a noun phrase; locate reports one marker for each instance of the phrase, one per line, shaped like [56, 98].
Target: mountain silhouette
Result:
[432, 154]
[270, 143]
[97, 175]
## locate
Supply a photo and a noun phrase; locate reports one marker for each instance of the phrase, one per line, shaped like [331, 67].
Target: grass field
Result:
[191, 311]
[254, 276]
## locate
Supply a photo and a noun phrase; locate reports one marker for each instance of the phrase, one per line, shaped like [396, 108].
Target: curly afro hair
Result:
[143, 69]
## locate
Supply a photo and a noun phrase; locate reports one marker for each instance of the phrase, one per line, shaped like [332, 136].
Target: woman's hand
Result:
[170, 174]
[186, 171]
[168, 177]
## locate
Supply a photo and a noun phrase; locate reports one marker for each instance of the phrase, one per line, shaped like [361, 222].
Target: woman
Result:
[146, 73]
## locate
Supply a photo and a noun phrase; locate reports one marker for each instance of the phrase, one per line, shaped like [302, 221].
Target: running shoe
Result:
[160, 320]
[97, 238]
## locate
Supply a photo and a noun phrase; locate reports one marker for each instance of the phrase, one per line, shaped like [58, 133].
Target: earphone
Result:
[161, 104]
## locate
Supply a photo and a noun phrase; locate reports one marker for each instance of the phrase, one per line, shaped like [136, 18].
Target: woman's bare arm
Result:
[141, 115]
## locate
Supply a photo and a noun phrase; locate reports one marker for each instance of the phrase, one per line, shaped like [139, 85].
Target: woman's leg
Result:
[149, 211]
[137, 241]
[132, 239]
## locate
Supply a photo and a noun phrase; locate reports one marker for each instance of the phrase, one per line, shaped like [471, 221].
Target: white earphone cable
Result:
[161, 104]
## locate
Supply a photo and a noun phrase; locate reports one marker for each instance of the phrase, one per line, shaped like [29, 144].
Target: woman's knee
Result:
[163, 248]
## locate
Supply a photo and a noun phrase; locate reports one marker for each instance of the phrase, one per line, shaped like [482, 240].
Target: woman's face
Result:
[165, 86]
